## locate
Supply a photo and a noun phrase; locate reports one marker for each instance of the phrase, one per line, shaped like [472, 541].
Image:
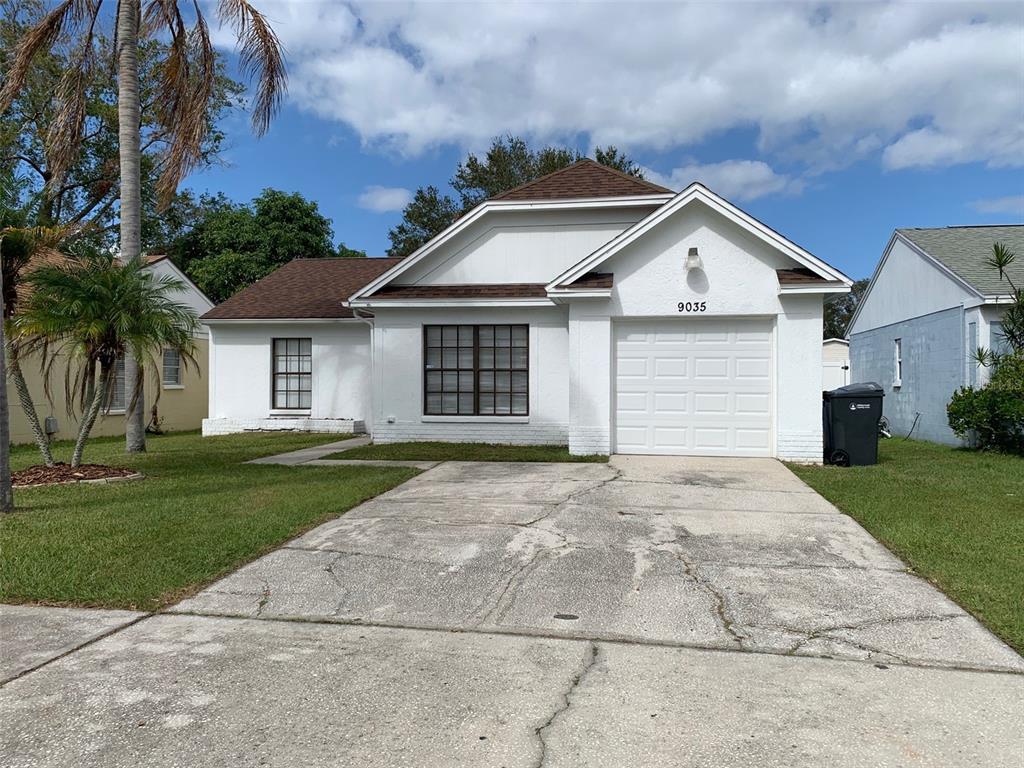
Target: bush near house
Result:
[993, 416]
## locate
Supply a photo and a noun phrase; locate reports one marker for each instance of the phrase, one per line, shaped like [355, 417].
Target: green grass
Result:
[199, 513]
[955, 516]
[463, 452]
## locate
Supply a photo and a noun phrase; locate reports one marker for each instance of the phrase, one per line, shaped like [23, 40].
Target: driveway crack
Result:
[589, 660]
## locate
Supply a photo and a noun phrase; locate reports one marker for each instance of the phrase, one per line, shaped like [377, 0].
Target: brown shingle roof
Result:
[592, 280]
[302, 288]
[798, 276]
[465, 291]
[585, 178]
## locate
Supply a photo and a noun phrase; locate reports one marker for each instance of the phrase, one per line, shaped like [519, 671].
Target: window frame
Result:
[109, 405]
[274, 374]
[177, 383]
[898, 361]
[476, 370]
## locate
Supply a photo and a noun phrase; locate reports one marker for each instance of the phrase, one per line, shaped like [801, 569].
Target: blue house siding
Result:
[933, 368]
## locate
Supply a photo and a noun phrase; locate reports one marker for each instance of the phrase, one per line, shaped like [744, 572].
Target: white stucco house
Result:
[932, 301]
[587, 308]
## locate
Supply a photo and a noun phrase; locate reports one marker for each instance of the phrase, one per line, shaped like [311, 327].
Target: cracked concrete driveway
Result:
[671, 611]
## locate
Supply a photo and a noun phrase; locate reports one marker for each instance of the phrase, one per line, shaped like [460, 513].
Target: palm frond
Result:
[188, 78]
[261, 55]
[64, 136]
[40, 38]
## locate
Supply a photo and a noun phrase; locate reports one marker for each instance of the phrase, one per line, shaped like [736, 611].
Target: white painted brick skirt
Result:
[282, 424]
[488, 432]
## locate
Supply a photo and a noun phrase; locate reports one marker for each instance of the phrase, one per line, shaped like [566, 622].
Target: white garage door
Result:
[698, 387]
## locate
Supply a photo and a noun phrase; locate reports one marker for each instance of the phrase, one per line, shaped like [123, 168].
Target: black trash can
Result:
[851, 415]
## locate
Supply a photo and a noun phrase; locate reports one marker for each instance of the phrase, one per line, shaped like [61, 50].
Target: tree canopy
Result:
[229, 246]
[839, 310]
[508, 163]
[89, 188]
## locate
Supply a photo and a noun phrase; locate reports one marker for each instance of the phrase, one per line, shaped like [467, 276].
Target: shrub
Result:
[993, 416]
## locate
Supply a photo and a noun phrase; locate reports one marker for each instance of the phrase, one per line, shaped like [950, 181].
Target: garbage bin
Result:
[851, 415]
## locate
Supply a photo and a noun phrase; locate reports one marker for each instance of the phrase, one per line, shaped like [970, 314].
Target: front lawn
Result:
[463, 452]
[199, 513]
[955, 516]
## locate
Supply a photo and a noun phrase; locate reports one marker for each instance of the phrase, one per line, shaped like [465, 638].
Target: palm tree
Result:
[20, 248]
[94, 311]
[6, 491]
[185, 90]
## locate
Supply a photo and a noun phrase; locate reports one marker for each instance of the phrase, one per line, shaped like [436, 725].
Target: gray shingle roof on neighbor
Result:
[302, 288]
[964, 250]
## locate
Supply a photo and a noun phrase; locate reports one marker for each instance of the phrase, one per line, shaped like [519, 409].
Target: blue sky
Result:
[832, 124]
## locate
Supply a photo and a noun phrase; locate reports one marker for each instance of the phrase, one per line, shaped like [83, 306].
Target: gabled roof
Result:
[964, 251]
[302, 289]
[649, 199]
[818, 276]
[583, 179]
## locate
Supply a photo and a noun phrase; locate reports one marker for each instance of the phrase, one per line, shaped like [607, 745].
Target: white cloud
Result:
[383, 199]
[732, 179]
[1013, 204]
[924, 83]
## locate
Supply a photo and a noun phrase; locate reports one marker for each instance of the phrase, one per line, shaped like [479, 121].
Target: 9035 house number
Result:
[693, 306]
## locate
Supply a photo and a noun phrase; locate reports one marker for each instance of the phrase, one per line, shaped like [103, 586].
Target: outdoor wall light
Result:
[693, 260]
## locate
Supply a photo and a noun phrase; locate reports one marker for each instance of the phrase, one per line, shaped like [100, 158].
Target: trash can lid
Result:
[856, 390]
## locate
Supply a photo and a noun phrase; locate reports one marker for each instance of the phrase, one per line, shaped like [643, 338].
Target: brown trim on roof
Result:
[583, 179]
[303, 289]
[465, 291]
[800, 276]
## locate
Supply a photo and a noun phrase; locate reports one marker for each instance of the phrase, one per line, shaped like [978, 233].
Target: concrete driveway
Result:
[674, 612]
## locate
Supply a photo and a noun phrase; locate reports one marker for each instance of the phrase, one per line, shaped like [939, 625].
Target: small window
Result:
[972, 349]
[899, 362]
[476, 370]
[172, 368]
[292, 374]
[116, 399]
[997, 339]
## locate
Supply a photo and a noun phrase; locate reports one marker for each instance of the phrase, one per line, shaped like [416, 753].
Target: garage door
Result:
[697, 387]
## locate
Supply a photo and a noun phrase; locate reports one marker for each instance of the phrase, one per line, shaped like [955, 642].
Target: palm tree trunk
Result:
[6, 490]
[27, 405]
[94, 397]
[128, 116]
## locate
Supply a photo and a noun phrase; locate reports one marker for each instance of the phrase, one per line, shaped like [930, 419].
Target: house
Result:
[931, 302]
[835, 363]
[182, 401]
[587, 308]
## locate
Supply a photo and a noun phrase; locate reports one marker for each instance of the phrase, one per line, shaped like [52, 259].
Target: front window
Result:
[172, 368]
[293, 374]
[998, 341]
[476, 370]
[116, 399]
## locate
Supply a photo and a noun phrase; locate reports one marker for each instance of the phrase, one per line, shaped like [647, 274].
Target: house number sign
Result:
[693, 306]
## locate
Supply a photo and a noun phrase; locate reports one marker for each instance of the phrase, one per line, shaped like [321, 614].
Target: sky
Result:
[832, 123]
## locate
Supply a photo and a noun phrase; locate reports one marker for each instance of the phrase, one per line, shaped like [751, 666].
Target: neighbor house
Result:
[587, 308]
[180, 403]
[932, 302]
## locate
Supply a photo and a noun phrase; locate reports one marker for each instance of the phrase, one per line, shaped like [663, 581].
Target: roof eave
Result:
[257, 320]
[371, 303]
[814, 288]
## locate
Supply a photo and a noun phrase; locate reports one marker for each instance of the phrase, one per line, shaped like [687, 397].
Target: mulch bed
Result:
[40, 474]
